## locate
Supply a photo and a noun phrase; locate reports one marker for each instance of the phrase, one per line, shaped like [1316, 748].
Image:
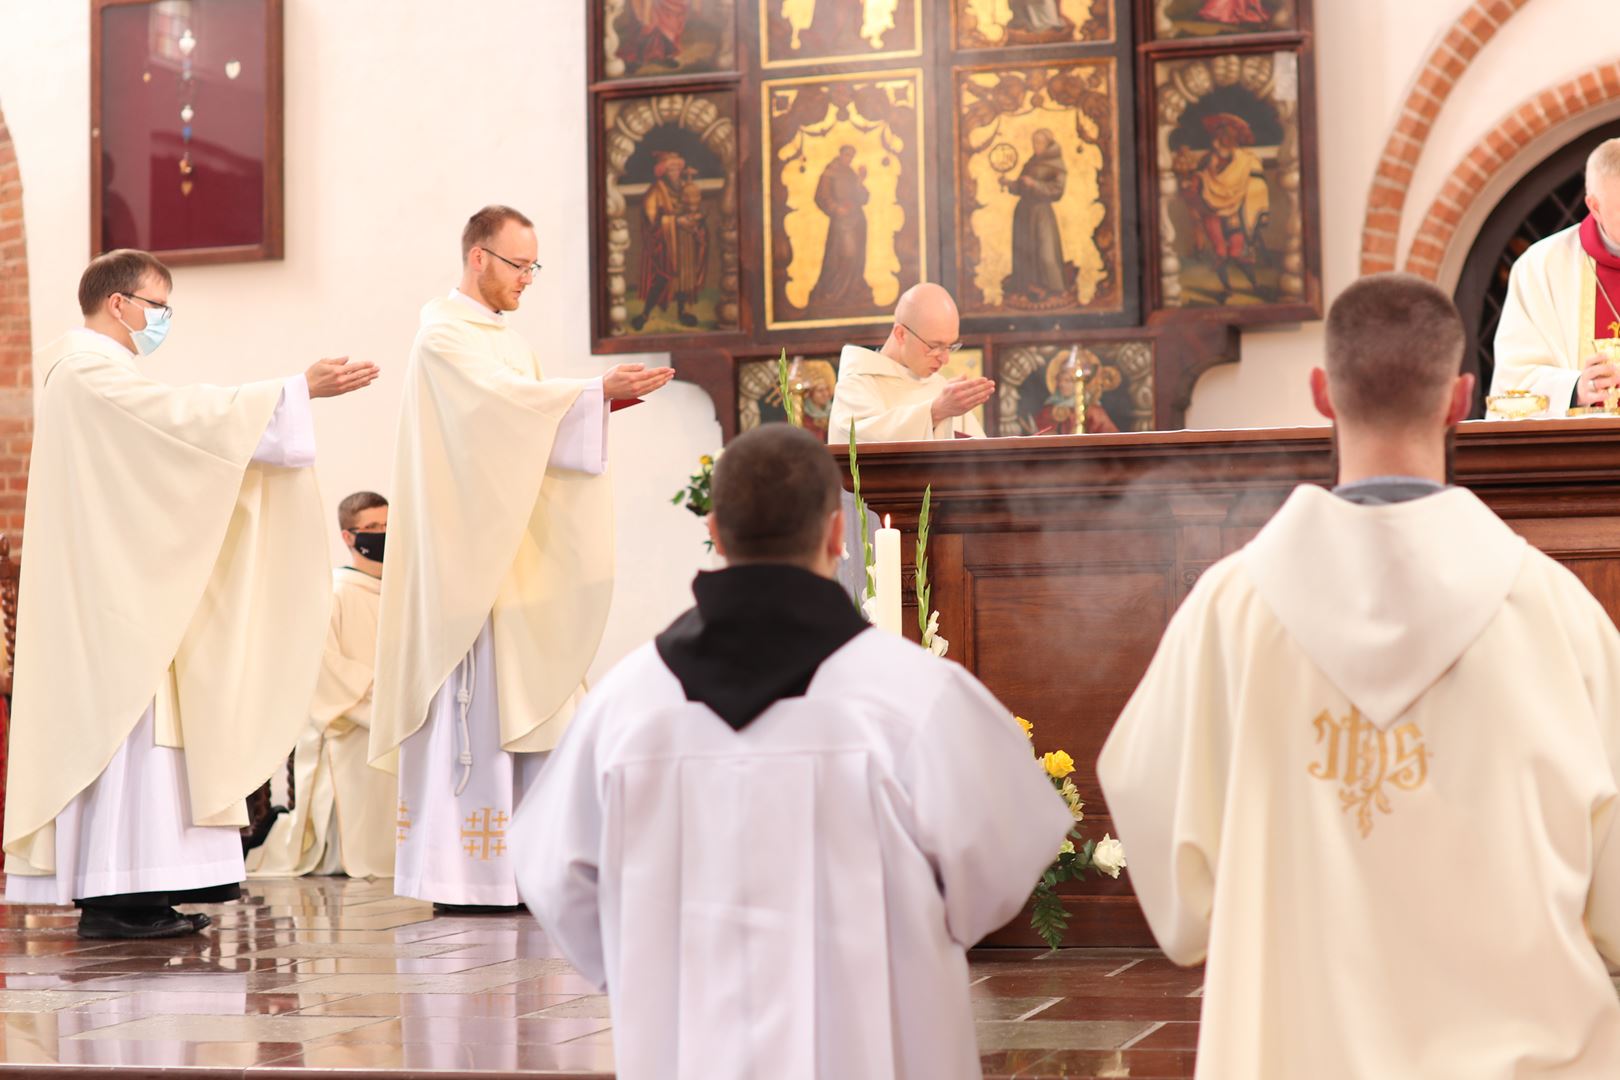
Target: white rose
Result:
[1109, 856]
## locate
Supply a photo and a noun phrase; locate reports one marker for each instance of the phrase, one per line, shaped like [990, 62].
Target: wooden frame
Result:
[1300, 41]
[1187, 341]
[270, 244]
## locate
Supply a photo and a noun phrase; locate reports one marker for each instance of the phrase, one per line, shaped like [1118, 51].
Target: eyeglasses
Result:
[168, 311]
[530, 268]
[930, 346]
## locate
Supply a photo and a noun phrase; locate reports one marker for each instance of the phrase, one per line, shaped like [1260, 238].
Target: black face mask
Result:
[370, 544]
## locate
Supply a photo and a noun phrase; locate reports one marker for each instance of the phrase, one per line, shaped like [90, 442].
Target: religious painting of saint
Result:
[1209, 18]
[1038, 387]
[670, 212]
[996, 24]
[820, 31]
[844, 198]
[652, 38]
[1230, 221]
[1038, 190]
[810, 379]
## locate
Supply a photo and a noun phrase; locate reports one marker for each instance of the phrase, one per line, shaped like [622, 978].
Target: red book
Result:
[623, 403]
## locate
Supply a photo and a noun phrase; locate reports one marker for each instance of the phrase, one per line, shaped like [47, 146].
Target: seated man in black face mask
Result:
[344, 813]
[772, 833]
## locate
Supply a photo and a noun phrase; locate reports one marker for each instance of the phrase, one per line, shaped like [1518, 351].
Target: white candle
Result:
[886, 552]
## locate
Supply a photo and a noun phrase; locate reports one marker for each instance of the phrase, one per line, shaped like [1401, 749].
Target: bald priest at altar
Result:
[896, 393]
[1560, 328]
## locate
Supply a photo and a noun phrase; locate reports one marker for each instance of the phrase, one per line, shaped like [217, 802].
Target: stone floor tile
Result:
[1056, 1034]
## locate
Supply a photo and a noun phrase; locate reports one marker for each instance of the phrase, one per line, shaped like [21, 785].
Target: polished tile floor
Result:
[344, 977]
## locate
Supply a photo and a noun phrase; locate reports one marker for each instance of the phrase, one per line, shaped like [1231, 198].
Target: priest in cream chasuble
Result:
[1372, 776]
[896, 393]
[172, 606]
[1560, 329]
[499, 572]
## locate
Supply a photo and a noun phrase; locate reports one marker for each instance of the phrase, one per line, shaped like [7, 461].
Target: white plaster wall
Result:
[402, 118]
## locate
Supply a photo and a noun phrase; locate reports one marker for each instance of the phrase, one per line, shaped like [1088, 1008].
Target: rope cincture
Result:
[464, 696]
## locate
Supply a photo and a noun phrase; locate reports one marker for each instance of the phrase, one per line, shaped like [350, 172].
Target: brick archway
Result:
[16, 365]
[1564, 105]
[1445, 64]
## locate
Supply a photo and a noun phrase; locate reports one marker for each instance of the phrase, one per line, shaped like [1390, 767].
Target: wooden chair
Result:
[10, 572]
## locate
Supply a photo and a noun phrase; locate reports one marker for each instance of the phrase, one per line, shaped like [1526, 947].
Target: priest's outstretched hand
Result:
[625, 381]
[333, 378]
[961, 397]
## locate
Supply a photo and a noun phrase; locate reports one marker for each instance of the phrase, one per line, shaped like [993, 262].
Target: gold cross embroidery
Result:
[1366, 760]
[402, 823]
[484, 834]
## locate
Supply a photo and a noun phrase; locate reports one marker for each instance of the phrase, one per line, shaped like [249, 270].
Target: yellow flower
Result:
[1026, 727]
[1058, 764]
[705, 461]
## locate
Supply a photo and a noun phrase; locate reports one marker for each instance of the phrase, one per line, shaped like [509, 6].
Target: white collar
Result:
[121, 346]
[457, 294]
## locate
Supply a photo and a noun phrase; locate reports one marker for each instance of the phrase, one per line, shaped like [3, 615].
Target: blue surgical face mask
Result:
[148, 338]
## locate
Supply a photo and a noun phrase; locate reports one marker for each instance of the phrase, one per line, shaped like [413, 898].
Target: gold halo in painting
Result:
[1003, 157]
[1084, 359]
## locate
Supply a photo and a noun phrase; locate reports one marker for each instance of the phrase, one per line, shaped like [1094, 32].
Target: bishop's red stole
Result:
[1604, 314]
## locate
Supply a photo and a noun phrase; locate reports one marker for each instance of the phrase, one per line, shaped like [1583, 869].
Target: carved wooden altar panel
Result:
[773, 173]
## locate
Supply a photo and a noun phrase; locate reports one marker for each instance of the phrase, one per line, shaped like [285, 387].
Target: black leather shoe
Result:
[199, 921]
[477, 909]
[102, 923]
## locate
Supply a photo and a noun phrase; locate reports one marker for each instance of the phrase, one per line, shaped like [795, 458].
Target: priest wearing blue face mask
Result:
[160, 679]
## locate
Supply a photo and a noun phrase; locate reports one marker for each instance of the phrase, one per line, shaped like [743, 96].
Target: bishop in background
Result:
[1563, 302]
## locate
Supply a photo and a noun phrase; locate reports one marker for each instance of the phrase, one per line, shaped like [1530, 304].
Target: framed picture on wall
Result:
[650, 39]
[1231, 223]
[1222, 18]
[186, 129]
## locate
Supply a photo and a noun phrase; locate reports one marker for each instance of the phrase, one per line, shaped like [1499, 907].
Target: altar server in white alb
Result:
[1563, 298]
[772, 833]
[1370, 778]
[896, 393]
[499, 570]
[173, 601]
[344, 812]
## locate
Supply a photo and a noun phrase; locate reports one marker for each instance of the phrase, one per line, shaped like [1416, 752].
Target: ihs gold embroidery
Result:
[1368, 761]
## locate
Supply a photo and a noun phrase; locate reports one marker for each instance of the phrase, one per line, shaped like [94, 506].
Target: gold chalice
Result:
[1515, 405]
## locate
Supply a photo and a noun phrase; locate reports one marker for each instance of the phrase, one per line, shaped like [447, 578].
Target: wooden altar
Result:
[1057, 562]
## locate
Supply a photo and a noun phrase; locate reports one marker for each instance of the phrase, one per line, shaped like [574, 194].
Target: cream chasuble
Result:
[1370, 779]
[491, 541]
[344, 815]
[187, 577]
[1544, 338]
[793, 899]
[887, 403]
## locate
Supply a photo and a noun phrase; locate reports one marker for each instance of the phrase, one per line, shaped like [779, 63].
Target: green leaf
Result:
[1049, 917]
